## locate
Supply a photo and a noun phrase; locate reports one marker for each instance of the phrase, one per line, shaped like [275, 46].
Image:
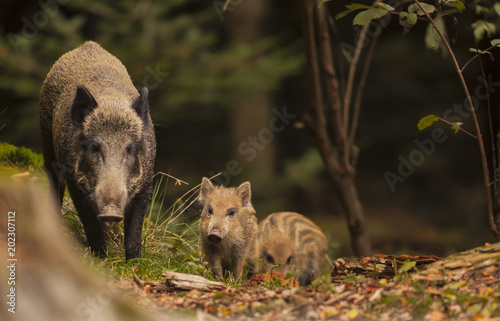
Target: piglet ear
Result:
[83, 104]
[206, 188]
[245, 193]
[141, 106]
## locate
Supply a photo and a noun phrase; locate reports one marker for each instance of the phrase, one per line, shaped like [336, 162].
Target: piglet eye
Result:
[210, 210]
[289, 260]
[269, 259]
[231, 213]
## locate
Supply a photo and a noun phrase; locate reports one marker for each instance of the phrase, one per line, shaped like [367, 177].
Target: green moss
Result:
[19, 156]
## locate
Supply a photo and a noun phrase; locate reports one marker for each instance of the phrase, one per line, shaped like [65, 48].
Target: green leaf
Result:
[352, 7]
[352, 314]
[368, 15]
[480, 10]
[481, 52]
[426, 122]
[496, 7]
[411, 18]
[495, 42]
[457, 126]
[459, 4]
[407, 266]
[407, 20]
[432, 39]
[474, 309]
[483, 28]
[414, 8]
[385, 6]
[343, 14]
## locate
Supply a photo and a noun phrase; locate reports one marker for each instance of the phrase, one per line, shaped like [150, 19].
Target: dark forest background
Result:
[218, 78]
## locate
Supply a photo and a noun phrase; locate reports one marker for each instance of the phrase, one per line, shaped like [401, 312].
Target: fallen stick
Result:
[184, 281]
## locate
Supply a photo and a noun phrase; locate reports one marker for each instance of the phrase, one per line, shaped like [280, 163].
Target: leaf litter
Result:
[464, 286]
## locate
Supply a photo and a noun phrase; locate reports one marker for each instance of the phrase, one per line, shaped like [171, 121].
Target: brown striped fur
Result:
[293, 241]
[228, 227]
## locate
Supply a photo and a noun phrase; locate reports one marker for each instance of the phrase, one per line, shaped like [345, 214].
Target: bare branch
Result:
[332, 89]
[352, 70]
[319, 124]
[360, 91]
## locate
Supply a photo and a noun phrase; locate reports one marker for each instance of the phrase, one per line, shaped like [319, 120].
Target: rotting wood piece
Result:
[182, 281]
[379, 266]
[481, 264]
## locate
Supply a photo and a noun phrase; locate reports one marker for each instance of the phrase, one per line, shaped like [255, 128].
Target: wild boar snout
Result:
[110, 200]
[110, 216]
[215, 236]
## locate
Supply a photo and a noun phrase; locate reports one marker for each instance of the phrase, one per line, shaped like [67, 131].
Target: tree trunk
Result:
[249, 115]
[360, 242]
[328, 122]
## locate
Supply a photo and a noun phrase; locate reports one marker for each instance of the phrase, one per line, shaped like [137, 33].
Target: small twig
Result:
[138, 281]
[226, 4]
[458, 127]
[476, 56]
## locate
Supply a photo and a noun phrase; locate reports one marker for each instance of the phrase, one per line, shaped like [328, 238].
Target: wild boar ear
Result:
[245, 193]
[83, 104]
[205, 189]
[272, 220]
[141, 106]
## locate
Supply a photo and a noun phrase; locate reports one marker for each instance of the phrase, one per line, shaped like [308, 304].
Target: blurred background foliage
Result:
[217, 79]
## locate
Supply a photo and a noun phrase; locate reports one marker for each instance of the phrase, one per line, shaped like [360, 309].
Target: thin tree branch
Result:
[318, 124]
[476, 56]
[494, 154]
[332, 89]
[457, 127]
[484, 160]
[360, 91]
[338, 53]
[352, 71]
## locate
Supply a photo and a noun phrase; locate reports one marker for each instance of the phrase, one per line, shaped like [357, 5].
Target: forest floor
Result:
[464, 286]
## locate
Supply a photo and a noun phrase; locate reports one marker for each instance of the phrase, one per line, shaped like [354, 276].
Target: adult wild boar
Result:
[98, 140]
[293, 241]
[228, 227]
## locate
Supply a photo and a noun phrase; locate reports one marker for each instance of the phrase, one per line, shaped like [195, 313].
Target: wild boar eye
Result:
[130, 149]
[269, 259]
[94, 148]
[231, 213]
[289, 260]
[210, 210]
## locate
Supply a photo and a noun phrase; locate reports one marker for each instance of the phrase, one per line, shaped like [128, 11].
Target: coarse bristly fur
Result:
[98, 140]
[228, 227]
[293, 241]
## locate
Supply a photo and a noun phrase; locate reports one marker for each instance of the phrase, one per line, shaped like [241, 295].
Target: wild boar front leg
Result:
[134, 218]
[237, 267]
[215, 265]
[93, 230]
